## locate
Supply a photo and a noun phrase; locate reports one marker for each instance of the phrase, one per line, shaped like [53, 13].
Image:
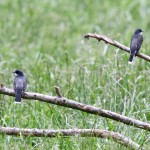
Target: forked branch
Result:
[62, 101]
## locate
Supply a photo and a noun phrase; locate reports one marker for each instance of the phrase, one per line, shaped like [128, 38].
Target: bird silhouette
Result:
[135, 45]
[20, 85]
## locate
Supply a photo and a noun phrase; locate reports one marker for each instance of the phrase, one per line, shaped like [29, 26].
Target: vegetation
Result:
[45, 40]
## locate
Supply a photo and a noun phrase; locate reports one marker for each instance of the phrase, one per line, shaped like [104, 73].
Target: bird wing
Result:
[136, 43]
[24, 83]
[18, 83]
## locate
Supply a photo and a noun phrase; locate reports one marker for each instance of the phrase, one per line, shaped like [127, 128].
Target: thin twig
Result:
[71, 132]
[114, 43]
[58, 92]
[79, 106]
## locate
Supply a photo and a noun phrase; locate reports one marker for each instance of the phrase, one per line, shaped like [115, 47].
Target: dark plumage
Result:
[20, 84]
[135, 45]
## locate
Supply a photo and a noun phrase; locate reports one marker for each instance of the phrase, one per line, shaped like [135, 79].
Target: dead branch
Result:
[71, 132]
[79, 106]
[114, 43]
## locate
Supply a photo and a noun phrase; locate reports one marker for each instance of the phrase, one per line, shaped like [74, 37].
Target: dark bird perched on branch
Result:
[20, 84]
[135, 45]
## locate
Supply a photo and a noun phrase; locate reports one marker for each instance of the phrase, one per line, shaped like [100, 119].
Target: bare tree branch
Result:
[114, 43]
[71, 132]
[79, 106]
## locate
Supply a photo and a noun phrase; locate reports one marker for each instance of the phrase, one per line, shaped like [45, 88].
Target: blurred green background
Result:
[45, 39]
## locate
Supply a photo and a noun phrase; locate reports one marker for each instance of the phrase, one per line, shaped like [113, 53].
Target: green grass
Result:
[45, 40]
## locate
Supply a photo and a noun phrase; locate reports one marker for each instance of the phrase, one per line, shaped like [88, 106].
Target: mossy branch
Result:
[62, 101]
[114, 43]
[71, 132]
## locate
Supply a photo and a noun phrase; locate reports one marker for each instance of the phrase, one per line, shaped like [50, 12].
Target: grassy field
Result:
[45, 40]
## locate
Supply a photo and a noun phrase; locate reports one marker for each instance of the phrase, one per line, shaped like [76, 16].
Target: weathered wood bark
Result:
[62, 101]
[71, 132]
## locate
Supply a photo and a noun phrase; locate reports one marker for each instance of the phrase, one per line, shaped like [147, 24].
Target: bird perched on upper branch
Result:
[135, 45]
[20, 84]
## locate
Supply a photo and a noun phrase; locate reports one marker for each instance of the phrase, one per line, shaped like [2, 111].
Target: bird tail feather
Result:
[18, 98]
[130, 59]
[18, 95]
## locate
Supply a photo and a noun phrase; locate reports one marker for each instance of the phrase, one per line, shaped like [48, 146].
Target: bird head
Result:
[138, 31]
[18, 72]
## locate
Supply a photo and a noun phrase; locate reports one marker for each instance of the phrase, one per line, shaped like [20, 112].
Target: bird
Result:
[20, 84]
[135, 45]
